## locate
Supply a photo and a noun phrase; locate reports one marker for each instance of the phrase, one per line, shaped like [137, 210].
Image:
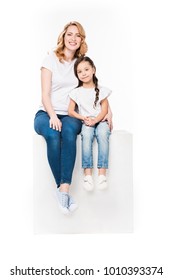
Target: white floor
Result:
[108, 211]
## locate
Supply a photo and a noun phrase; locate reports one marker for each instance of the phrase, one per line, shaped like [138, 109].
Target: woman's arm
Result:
[46, 78]
[72, 112]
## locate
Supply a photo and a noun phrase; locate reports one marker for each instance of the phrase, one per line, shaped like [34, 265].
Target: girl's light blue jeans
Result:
[101, 132]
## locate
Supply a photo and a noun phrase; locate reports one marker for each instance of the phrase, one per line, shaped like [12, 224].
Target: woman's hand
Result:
[108, 118]
[55, 123]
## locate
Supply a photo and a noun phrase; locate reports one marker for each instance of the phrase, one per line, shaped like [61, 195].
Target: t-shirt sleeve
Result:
[104, 93]
[73, 95]
[48, 62]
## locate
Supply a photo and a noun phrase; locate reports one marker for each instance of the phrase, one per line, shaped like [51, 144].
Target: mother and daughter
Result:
[72, 103]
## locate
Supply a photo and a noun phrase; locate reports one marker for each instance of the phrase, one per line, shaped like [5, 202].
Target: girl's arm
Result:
[108, 117]
[46, 78]
[72, 112]
[101, 115]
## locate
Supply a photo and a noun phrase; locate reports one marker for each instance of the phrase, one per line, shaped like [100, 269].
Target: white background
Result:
[142, 83]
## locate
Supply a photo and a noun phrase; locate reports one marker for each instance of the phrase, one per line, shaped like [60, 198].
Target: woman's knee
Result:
[41, 122]
[71, 126]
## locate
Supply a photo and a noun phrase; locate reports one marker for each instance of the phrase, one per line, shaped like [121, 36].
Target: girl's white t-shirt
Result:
[85, 97]
[63, 81]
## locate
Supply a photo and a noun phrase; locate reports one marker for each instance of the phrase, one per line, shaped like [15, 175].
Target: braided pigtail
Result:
[95, 80]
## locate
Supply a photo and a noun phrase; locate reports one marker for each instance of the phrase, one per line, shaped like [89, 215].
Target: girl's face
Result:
[85, 72]
[72, 38]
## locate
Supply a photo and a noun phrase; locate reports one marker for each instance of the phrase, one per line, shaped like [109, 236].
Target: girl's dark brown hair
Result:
[95, 80]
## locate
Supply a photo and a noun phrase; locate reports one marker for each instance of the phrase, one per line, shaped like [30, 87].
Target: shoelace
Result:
[64, 200]
[88, 180]
[71, 201]
[103, 180]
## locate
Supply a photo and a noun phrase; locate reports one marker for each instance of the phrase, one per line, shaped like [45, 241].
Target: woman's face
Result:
[72, 38]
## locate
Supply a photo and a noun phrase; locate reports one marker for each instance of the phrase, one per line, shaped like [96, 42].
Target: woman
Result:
[52, 121]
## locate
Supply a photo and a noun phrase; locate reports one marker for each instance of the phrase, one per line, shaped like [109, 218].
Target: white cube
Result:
[106, 211]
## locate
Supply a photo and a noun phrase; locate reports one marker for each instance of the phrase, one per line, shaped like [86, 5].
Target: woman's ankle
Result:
[64, 187]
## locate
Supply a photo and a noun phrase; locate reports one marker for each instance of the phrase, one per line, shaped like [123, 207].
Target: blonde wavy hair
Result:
[59, 51]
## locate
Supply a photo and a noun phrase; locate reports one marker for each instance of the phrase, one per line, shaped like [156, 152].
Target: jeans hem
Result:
[65, 182]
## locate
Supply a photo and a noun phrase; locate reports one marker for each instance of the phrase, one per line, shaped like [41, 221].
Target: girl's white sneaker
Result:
[102, 182]
[88, 183]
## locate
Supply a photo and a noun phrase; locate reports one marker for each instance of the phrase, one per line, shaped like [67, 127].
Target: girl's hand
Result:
[55, 123]
[89, 121]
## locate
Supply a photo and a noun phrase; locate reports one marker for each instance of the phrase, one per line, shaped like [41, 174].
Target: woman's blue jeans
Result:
[102, 132]
[61, 146]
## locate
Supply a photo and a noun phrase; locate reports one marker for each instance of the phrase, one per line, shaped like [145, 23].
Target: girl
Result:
[92, 104]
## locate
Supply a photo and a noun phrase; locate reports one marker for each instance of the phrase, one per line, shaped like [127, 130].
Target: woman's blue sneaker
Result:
[72, 205]
[63, 201]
